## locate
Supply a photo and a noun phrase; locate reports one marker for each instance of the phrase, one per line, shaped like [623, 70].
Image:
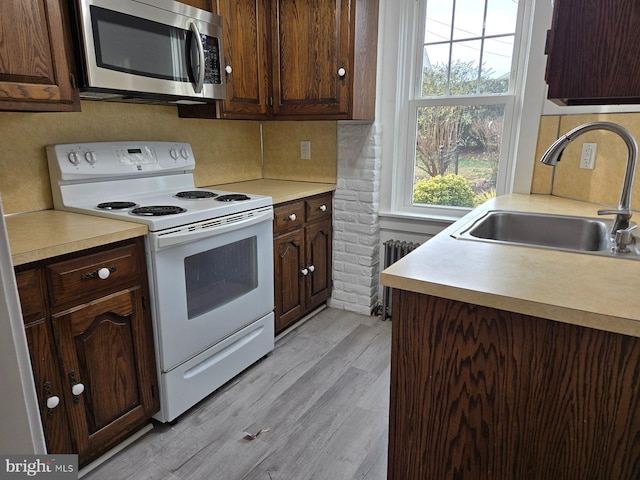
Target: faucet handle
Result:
[623, 215]
[624, 238]
[623, 212]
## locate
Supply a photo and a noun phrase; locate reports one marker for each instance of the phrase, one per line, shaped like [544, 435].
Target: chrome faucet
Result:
[623, 213]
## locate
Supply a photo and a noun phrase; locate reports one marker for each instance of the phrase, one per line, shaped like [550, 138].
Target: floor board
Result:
[320, 401]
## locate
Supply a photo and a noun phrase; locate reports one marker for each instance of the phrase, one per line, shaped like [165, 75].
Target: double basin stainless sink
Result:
[555, 232]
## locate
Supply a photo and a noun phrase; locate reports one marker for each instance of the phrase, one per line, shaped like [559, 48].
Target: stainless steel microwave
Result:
[158, 50]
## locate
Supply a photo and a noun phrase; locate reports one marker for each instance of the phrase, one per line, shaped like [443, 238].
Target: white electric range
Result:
[209, 257]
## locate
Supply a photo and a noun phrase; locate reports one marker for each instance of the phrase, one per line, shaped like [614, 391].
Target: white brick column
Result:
[356, 232]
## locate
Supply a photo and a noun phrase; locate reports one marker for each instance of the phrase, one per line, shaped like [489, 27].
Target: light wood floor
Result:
[323, 395]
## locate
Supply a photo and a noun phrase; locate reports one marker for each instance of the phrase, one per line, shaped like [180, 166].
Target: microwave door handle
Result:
[196, 33]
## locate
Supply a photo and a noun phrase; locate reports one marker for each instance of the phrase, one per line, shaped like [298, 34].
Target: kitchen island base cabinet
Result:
[481, 393]
[90, 340]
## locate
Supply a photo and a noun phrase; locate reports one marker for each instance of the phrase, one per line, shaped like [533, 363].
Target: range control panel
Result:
[103, 160]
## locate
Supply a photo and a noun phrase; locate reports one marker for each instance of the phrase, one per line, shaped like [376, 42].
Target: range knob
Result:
[184, 153]
[91, 157]
[173, 153]
[73, 158]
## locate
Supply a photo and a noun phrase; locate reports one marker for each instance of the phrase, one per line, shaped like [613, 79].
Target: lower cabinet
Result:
[302, 255]
[90, 339]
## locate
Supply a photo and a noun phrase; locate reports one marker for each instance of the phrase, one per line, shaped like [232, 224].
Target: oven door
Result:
[209, 280]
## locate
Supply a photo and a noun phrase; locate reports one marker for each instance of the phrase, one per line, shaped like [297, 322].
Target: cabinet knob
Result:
[77, 389]
[292, 217]
[102, 273]
[312, 268]
[323, 208]
[342, 72]
[228, 69]
[53, 402]
[304, 271]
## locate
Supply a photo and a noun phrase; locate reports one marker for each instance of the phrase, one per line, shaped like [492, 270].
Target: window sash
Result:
[402, 192]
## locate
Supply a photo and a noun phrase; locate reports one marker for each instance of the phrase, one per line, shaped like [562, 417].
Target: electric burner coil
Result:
[157, 210]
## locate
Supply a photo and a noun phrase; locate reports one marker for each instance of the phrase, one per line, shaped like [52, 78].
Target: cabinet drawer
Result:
[318, 207]
[288, 216]
[80, 277]
[32, 300]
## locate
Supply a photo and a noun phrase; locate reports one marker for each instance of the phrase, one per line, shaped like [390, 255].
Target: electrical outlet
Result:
[588, 157]
[305, 150]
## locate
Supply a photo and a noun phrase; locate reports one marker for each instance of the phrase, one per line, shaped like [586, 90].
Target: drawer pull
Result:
[292, 217]
[322, 208]
[102, 273]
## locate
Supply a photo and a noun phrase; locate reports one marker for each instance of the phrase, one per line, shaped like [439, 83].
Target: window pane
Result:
[496, 65]
[469, 19]
[435, 72]
[465, 62]
[438, 21]
[457, 154]
[501, 17]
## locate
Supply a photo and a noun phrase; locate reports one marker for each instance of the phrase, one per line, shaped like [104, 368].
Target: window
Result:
[460, 103]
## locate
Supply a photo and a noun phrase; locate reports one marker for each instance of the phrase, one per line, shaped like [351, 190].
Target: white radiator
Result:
[394, 250]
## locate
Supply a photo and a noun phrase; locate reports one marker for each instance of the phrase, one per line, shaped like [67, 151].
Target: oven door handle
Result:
[208, 228]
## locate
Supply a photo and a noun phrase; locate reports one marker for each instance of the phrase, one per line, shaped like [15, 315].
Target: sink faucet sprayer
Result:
[623, 213]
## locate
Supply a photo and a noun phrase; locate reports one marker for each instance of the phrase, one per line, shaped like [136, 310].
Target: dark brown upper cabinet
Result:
[34, 57]
[593, 56]
[298, 60]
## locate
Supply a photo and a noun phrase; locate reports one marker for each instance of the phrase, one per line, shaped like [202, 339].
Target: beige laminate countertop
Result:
[580, 289]
[48, 233]
[279, 190]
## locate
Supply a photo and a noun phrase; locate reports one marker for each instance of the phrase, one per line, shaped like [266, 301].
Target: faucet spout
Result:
[554, 154]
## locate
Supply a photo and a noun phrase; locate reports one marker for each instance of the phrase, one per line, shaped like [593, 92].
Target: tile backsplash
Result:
[225, 150]
[601, 185]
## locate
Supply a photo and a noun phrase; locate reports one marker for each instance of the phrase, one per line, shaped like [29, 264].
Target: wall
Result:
[225, 151]
[602, 184]
[282, 151]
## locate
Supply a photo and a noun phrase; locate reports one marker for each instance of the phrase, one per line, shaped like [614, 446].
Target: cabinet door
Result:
[44, 363]
[247, 54]
[106, 345]
[34, 67]
[310, 43]
[593, 55]
[318, 237]
[288, 254]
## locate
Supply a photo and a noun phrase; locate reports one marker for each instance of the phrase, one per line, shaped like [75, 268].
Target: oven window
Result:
[221, 275]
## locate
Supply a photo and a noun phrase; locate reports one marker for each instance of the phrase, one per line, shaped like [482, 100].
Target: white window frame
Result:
[409, 61]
